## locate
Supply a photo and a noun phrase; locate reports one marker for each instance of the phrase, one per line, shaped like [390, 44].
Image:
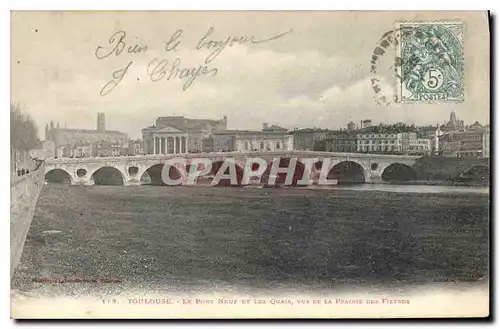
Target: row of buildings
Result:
[168, 135]
[176, 134]
[451, 139]
[180, 135]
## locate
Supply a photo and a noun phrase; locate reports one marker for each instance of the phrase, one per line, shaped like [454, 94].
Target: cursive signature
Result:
[117, 78]
[117, 44]
[169, 70]
[160, 69]
[218, 46]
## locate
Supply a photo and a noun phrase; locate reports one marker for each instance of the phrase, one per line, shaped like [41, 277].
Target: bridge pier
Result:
[131, 182]
[86, 182]
[374, 179]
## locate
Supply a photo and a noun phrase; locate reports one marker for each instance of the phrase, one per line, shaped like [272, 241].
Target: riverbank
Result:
[196, 239]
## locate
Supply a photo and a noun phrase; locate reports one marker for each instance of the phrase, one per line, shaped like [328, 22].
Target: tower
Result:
[351, 126]
[453, 118]
[101, 125]
[47, 137]
[224, 120]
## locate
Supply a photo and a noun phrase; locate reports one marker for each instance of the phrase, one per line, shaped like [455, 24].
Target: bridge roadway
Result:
[131, 168]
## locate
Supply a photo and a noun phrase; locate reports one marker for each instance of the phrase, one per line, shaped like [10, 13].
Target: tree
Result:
[23, 135]
[23, 131]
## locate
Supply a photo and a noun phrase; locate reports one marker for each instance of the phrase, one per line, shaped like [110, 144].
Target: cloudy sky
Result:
[316, 75]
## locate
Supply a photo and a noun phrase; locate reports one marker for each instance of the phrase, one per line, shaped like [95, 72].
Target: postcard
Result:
[250, 164]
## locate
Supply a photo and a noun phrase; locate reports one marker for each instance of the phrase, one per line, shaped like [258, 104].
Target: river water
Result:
[160, 237]
[410, 188]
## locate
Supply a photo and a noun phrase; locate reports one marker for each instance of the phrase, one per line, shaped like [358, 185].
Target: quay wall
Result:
[24, 192]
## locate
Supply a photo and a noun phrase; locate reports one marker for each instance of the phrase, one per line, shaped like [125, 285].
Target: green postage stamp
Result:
[432, 62]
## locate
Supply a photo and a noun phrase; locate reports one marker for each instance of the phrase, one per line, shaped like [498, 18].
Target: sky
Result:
[309, 69]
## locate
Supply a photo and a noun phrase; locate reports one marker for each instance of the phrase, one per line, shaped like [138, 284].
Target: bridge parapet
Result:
[264, 154]
[373, 165]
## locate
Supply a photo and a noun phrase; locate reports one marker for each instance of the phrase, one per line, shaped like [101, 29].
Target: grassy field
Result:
[196, 238]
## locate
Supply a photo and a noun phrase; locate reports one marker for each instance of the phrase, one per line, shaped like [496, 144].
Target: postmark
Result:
[385, 61]
[432, 62]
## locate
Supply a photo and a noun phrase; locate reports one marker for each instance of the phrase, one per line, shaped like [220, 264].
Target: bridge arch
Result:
[203, 179]
[216, 166]
[153, 174]
[108, 175]
[58, 175]
[398, 172]
[281, 177]
[348, 172]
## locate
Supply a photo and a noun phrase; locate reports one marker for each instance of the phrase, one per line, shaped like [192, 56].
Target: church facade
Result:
[86, 142]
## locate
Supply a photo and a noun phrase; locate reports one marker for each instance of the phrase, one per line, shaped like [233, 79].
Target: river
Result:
[410, 188]
[191, 238]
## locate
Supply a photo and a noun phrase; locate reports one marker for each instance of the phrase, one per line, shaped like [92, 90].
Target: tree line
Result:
[23, 131]
[23, 137]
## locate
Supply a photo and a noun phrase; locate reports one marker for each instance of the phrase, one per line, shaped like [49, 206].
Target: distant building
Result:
[373, 142]
[366, 123]
[273, 128]
[80, 141]
[101, 122]
[177, 134]
[351, 126]
[476, 126]
[419, 146]
[44, 150]
[486, 142]
[393, 143]
[272, 138]
[341, 141]
[305, 139]
[136, 147]
[83, 151]
[453, 124]
[165, 140]
[471, 143]
[109, 150]
[432, 133]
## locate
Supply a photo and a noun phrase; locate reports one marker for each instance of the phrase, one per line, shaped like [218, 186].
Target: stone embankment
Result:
[24, 192]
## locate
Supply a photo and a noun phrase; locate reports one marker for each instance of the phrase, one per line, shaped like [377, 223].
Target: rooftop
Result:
[88, 131]
[249, 132]
[275, 128]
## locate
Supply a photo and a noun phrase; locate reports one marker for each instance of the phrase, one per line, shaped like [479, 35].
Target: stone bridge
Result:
[370, 167]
